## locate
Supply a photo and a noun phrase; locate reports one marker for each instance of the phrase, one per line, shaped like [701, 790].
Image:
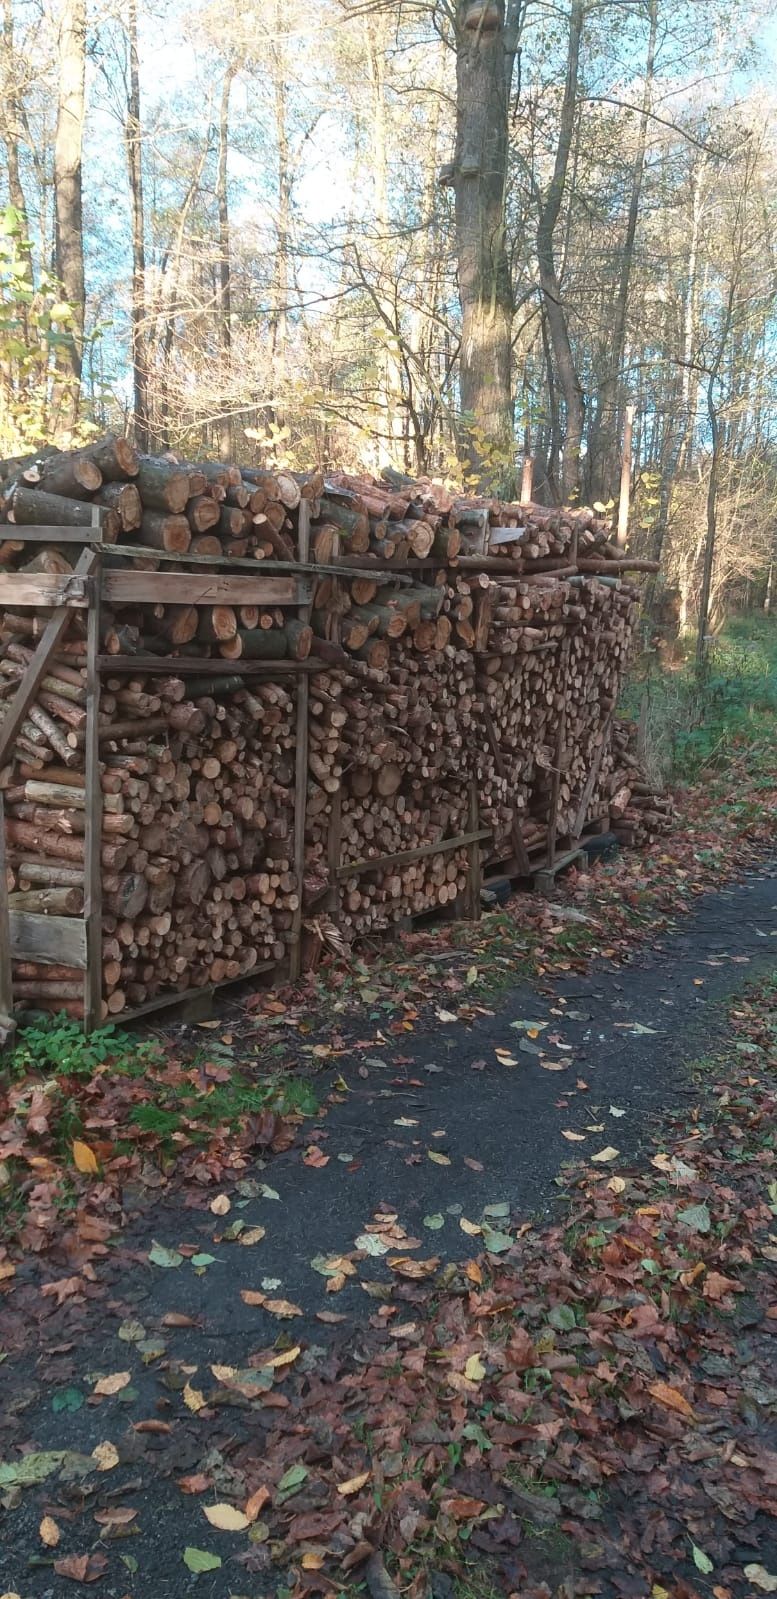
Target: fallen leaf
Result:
[252, 1235]
[762, 1578]
[82, 1568]
[574, 1138]
[115, 1516]
[193, 1398]
[160, 1256]
[105, 1456]
[226, 1517]
[439, 1160]
[616, 1185]
[113, 1384]
[474, 1370]
[605, 1155]
[716, 1286]
[701, 1561]
[283, 1308]
[49, 1532]
[198, 1483]
[696, 1217]
[252, 1296]
[221, 1205]
[353, 1484]
[461, 1507]
[200, 1560]
[672, 1399]
[84, 1158]
[256, 1503]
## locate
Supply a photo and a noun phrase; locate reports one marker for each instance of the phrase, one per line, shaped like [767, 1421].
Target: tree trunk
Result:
[225, 264]
[10, 120]
[485, 55]
[134, 150]
[603, 444]
[67, 178]
[551, 290]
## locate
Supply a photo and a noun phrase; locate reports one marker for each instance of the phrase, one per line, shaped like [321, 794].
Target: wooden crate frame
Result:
[77, 941]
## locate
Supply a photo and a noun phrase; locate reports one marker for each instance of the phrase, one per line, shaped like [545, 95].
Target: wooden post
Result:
[527, 480]
[94, 812]
[559, 753]
[475, 874]
[301, 764]
[6, 979]
[625, 491]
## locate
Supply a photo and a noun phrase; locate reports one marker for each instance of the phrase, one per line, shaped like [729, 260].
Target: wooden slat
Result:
[207, 588]
[94, 817]
[44, 588]
[301, 763]
[43, 534]
[590, 782]
[561, 735]
[406, 856]
[52, 940]
[37, 667]
[359, 566]
[475, 875]
[516, 832]
[178, 666]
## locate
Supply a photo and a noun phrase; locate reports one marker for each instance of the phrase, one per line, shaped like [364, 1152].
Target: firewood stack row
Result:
[637, 809]
[460, 647]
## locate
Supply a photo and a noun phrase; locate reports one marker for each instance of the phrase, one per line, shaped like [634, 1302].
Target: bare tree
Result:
[68, 177]
[487, 36]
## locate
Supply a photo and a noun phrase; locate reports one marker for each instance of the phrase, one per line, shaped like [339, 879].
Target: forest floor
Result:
[503, 1319]
[455, 1263]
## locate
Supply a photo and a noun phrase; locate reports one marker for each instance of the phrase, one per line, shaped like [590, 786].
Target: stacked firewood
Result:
[461, 647]
[638, 810]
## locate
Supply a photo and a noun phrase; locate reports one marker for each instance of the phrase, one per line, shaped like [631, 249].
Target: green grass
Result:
[691, 723]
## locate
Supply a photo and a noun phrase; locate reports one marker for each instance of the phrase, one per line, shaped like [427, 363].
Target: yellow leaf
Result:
[226, 1518]
[439, 1160]
[105, 1456]
[353, 1484]
[220, 1205]
[606, 1154]
[471, 1228]
[223, 1373]
[193, 1398]
[49, 1532]
[574, 1138]
[113, 1384]
[84, 1158]
[616, 1185]
[335, 1283]
[312, 1561]
[284, 1359]
[252, 1235]
[474, 1370]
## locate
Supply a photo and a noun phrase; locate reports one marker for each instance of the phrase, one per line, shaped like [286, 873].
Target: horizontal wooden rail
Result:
[406, 856]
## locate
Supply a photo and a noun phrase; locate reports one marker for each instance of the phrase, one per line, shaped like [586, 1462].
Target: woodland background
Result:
[433, 235]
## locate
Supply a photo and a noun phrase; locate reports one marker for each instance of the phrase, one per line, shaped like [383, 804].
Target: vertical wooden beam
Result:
[6, 980]
[94, 810]
[527, 480]
[559, 752]
[301, 761]
[475, 874]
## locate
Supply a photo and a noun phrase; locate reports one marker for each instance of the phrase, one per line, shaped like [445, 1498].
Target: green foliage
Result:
[35, 328]
[691, 723]
[55, 1045]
